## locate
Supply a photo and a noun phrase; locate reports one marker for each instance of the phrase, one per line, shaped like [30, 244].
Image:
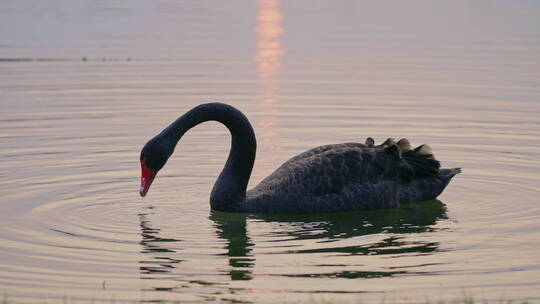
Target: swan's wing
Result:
[343, 177]
[330, 170]
[348, 176]
[325, 148]
[369, 145]
[327, 169]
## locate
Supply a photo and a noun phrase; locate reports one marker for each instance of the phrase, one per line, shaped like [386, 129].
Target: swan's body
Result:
[340, 177]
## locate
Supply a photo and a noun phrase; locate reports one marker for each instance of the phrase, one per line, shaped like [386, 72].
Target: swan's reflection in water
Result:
[395, 225]
[232, 228]
[159, 255]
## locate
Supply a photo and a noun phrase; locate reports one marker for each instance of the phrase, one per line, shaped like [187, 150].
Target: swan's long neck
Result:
[229, 190]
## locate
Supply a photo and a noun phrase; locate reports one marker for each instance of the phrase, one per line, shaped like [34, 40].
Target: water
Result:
[83, 85]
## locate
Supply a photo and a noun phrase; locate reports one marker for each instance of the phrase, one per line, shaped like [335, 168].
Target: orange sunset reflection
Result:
[268, 58]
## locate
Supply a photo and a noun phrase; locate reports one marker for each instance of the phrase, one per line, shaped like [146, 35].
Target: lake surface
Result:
[84, 85]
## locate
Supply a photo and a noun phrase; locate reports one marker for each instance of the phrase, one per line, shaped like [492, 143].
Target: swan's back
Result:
[348, 176]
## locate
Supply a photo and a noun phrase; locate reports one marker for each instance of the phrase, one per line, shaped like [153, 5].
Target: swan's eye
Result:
[155, 161]
[149, 161]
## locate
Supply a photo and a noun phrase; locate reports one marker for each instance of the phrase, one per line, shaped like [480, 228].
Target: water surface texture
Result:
[84, 84]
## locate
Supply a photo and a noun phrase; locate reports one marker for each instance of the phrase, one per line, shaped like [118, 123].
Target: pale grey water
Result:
[84, 84]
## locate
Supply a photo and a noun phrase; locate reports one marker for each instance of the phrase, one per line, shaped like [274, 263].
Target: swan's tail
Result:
[450, 172]
[418, 163]
[426, 188]
[421, 174]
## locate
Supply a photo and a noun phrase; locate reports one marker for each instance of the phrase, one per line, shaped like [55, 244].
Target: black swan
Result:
[339, 177]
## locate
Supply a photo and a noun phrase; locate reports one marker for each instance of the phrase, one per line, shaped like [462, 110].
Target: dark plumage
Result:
[339, 177]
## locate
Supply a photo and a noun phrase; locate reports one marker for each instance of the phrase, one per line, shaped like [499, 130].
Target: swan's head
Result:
[154, 155]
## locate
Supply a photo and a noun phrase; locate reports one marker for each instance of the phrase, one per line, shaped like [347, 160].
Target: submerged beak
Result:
[147, 177]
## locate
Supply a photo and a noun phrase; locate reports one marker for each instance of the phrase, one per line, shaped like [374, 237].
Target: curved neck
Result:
[229, 190]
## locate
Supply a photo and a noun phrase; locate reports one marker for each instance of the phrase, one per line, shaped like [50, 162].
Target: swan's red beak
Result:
[147, 177]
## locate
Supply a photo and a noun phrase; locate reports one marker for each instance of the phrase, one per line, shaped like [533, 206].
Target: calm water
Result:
[83, 85]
